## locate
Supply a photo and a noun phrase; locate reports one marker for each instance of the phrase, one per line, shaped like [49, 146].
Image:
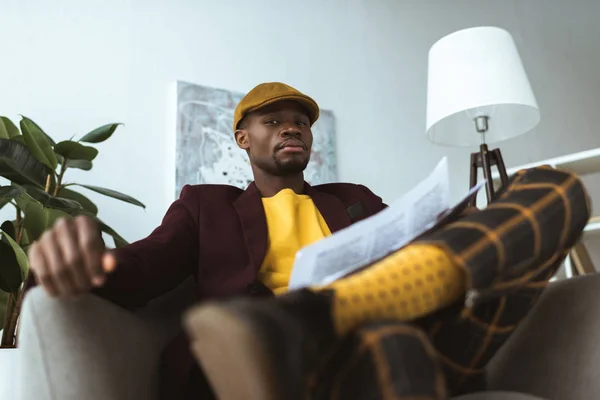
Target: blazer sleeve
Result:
[156, 264]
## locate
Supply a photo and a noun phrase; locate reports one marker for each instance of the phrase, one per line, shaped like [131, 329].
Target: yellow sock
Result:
[406, 285]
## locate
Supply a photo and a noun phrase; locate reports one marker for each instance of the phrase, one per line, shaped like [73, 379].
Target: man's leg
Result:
[277, 343]
[384, 360]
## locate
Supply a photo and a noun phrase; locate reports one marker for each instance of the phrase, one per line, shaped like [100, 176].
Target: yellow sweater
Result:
[428, 281]
[293, 222]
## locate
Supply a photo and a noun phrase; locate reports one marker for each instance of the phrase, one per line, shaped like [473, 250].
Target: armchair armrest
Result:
[92, 349]
[554, 352]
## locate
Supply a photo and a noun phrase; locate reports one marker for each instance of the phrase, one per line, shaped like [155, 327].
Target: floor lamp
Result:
[478, 93]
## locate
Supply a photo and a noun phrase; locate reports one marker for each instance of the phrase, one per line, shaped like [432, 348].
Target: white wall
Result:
[72, 65]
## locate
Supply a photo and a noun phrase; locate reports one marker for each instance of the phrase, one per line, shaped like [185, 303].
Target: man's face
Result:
[278, 138]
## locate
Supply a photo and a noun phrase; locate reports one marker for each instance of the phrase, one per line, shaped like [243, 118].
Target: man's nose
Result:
[290, 130]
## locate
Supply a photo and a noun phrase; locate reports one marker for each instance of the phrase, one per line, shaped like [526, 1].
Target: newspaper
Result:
[373, 238]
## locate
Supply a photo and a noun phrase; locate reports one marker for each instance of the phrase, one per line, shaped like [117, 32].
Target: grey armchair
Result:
[91, 349]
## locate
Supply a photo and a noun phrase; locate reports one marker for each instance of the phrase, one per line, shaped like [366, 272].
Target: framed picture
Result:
[206, 152]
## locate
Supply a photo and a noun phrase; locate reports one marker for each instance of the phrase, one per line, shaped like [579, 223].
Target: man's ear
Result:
[241, 138]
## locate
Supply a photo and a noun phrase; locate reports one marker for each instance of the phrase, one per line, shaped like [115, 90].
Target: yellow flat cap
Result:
[269, 93]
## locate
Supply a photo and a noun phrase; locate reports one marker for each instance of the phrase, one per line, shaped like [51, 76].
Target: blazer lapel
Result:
[331, 208]
[250, 210]
[254, 224]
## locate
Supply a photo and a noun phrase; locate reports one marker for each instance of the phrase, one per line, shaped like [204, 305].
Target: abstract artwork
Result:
[206, 151]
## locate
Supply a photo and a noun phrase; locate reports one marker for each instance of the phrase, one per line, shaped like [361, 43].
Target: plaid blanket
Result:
[509, 252]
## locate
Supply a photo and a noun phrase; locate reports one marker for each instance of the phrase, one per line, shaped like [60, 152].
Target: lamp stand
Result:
[485, 159]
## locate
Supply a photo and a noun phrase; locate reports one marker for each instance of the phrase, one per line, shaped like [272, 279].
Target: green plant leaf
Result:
[19, 165]
[47, 200]
[100, 134]
[76, 151]
[38, 143]
[80, 164]
[86, 203]
[8, 130]
[10, 271]
[20, 255]
[38, 219]
[114, 194]
[9, 228]
[8, 192]
[23, 198]
[24, 241]
[117, 239]
[19, 139]
[37, 127]
[4, 202]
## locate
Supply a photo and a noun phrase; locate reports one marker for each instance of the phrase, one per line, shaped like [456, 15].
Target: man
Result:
[369, 334]
[218, 234]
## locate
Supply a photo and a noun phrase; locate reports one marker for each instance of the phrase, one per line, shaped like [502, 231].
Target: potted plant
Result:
[36, 167]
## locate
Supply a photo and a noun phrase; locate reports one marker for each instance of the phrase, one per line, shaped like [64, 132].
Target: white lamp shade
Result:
[478, 72]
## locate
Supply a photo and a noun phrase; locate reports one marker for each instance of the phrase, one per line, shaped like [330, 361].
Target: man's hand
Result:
[70, 258]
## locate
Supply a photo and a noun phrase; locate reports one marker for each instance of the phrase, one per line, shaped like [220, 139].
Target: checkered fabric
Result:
[509, 252]
[386, 360]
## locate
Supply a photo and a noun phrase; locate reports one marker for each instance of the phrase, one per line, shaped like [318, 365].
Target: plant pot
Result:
[9, 358]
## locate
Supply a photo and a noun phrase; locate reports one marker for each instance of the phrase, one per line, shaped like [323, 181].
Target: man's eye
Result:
[301, 123]
[271, 122]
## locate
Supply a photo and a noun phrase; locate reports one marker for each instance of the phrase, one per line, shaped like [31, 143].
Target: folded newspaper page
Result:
[373, 238]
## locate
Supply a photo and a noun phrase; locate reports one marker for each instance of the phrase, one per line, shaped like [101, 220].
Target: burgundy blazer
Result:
[218, 235]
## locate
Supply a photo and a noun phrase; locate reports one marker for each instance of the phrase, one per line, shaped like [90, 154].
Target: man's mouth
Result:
[292, 146]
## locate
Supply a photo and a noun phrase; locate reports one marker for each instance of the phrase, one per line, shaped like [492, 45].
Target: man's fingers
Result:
[66, 235]
[67, 259]
[91, 249]
[59, 272]
[40, 269]
[109, 263]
